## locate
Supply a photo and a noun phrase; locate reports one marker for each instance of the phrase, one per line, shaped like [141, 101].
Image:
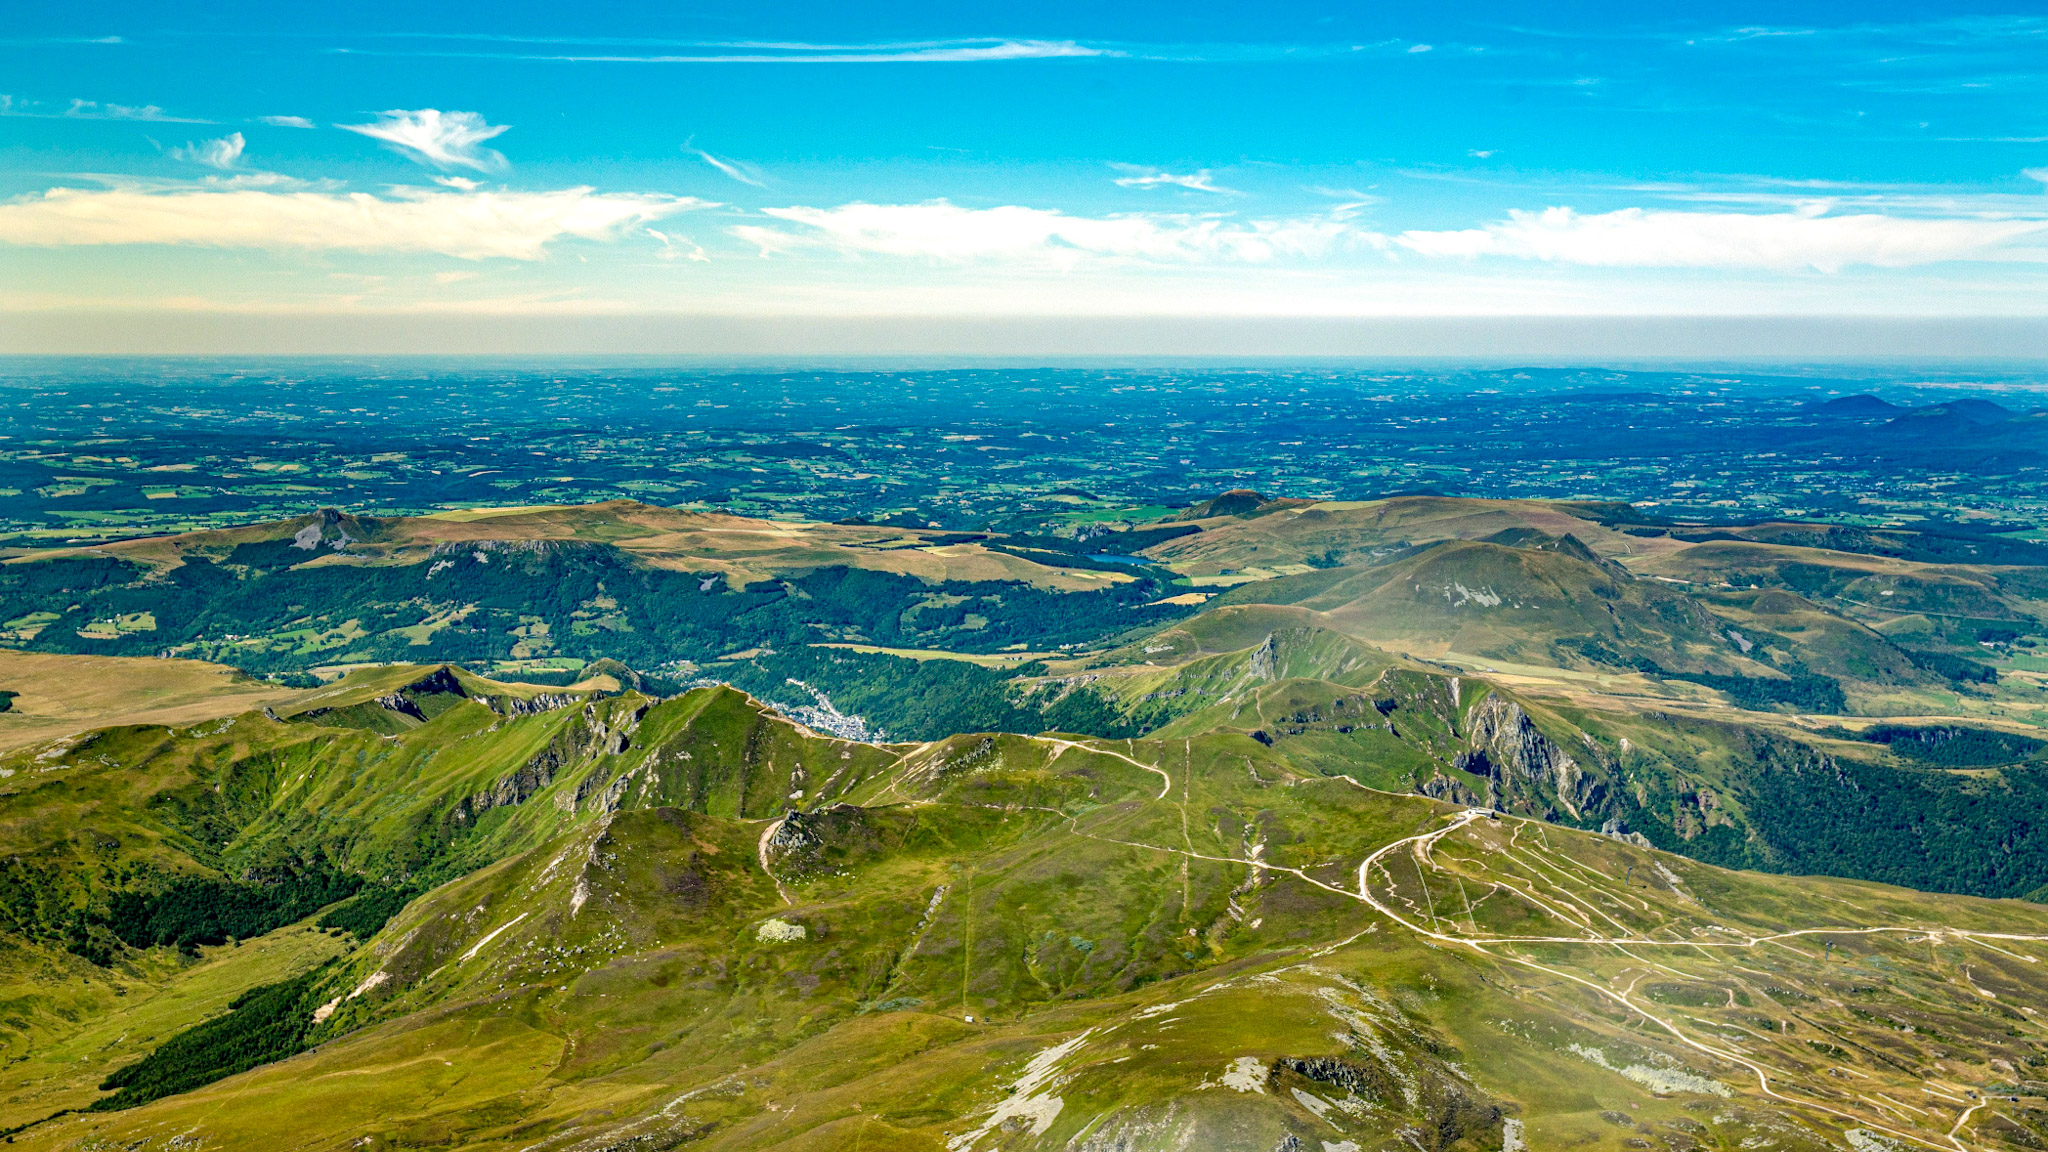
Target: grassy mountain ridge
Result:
[1732, 787]
[1161, 943]
[1332, 533]
[1509, 603]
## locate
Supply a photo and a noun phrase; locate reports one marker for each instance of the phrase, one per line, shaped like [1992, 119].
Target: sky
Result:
[510, 166]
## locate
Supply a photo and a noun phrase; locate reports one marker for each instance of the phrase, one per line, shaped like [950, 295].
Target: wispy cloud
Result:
[94, 110]
[441, 139]
[965, 50]
[1776, 241]
[1135, 177]
[224, 153]
[31, 41]
[1349, 201]
[285, 121]
[465, 224]
[739, 170]
[941, 231]
[90, 110]
[969, 51]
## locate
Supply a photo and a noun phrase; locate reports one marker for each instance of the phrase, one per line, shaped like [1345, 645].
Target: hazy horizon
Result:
[1688, 339]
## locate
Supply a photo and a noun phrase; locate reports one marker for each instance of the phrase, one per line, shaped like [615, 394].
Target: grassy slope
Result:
[608, 986]
[83, 1022]
[1353, 532]
[60, 695]
[1507, 603]
[1732, 787]
[1861, 610]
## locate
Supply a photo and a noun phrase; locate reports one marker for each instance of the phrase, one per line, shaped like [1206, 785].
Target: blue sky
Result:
[1035, 160]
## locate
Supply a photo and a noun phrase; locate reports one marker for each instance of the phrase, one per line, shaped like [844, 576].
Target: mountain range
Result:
[1416, 823]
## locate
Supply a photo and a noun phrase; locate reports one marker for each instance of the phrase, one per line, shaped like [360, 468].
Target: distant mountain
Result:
[1957, 417]
[1290, 535]
[1549, 601]
[1862, 406]
[1982, 411]
[1241, 502]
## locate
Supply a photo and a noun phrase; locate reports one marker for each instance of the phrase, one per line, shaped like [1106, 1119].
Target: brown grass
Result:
[60, 695]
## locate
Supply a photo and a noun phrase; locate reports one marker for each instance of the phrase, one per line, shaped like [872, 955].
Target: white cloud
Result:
[470, 225]
[94, 110]
[1780, 241]
[91, 110]
[1784, 242]
[1153, 178]
[739, 170]
[223, 153]
[286, 121]
[1349, 201]
[676, 248]
[941, 231]
[915, 52]
[442, 139]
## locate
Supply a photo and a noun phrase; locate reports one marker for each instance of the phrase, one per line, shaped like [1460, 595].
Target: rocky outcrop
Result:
[515, 788]
[1618, 829]
[402, 704]
[441, 681]
[793, 833]
[1442, 787]
[1521, 763]
[1264, 665]
[596, 735]
[533, 706]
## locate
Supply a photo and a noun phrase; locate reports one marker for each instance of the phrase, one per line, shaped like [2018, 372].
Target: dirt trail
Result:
[761, 854]
[1062, 745]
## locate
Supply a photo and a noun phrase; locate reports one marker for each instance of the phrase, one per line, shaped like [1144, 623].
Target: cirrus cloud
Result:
[967, 51]
[1135, 177]
[442, 139]
[1776, 241]
[466, 224]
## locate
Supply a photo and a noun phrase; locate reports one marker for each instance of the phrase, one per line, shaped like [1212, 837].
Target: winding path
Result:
[1063, 745]
[1421, 842]
[1495, 947]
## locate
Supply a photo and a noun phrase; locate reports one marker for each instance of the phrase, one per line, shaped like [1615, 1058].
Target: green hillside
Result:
[689, 923]
[1526, 604]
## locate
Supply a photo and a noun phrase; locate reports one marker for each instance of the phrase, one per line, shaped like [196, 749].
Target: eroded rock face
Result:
[1264, 665]
[1522, 763]
[542, 702]
[1441, 787]
[599, 734]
